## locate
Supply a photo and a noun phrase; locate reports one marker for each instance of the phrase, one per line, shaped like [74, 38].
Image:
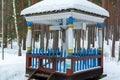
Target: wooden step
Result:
[42, 75]
[32, 74]
[103, 75]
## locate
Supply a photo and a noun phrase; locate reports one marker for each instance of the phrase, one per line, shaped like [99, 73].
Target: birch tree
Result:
[16, 28]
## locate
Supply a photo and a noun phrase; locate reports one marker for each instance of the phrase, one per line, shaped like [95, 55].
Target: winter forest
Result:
[15, 34]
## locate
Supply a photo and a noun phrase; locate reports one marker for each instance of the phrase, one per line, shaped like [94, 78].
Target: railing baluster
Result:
[33, 59]
[52, 53]
[94, 60]
[49, 60]
[36, 51]
[88, 53]
[97, 58]
[61, 54]
[64, 70]
[74, 66]
[74, 52]
[57, 65]
[39, 52]
[56, 53]
[60, 66]
[77, 65]
[81, 55]
[65, 54]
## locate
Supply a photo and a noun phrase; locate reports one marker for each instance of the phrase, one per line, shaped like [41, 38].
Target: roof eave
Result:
[66, 10]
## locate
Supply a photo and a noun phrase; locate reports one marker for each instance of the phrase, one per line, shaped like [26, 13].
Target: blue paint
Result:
[48, 64]
[29, 23]
[70, 20]
[88, 52]
[75, 52]
[36, 63]
[80, 65]
[84, 52]
[90, 59]
[49, 52]
[81, 53]
[64, 67]
[56, 53]
[70, 55]
[97, 58]
[45, 63]
[39, 52]
[74, 67]
[42, 52]
[77, 65]
[83, 64]
[100, 25]
[31, 51]
[94, 60]
[56, 65]
[60, 66]
[61, 54]
[52, 53]
[65, 54]
[33, 63]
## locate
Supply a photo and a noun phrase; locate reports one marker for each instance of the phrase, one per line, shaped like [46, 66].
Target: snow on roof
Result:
[54, 5]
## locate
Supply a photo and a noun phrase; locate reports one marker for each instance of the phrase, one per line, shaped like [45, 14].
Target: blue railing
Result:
[86, 63]
[78, 65]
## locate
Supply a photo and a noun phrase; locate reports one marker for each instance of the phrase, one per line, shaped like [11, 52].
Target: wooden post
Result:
[28, 61]
[29, 37]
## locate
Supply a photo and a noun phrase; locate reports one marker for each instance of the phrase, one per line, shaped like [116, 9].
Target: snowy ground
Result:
[13, 67]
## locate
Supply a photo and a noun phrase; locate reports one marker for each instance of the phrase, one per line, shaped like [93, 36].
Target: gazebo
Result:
[67, 63]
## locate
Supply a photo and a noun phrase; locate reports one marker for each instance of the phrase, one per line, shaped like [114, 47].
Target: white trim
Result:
[51, 19]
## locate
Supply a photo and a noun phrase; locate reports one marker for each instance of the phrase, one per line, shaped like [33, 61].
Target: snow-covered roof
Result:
[59, 5]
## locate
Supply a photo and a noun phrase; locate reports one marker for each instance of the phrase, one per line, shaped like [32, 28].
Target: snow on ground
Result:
[13, 67]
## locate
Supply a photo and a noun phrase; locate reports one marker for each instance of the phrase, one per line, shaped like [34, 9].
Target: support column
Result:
[100, 25]
[70, 36]
[70, 48]
[29, 37]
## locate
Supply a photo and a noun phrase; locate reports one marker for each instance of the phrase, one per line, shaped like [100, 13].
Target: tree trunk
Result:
[47, 36]
[93, 36]
[82, 39]
[33, 35]
[11, 44]
[24, 43]
[6, 24]
[55, 39]
[114, 33]
[42, 37]
[78, 39]
[119, 51]
[89, 36]
[16, 27]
